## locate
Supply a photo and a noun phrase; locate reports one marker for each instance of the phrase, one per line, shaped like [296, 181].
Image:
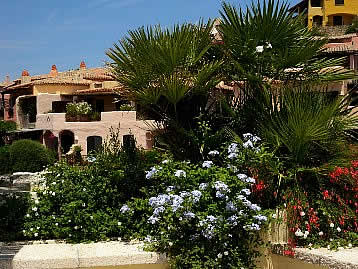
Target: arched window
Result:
[67, 139]
[93, 143]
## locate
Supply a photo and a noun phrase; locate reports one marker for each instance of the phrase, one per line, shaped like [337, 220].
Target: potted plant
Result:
[71, 112]
[84, 110]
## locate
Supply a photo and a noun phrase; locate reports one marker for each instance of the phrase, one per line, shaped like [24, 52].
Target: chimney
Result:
[83, 66]
[53, 72]
[25, 77]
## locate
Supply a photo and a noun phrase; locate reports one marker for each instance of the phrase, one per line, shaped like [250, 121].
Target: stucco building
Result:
[328, 12]
[38, 105]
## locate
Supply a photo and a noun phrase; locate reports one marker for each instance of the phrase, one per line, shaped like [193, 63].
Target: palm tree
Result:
[170, 74]
[279, 60]
[307, 125]
[268, 42]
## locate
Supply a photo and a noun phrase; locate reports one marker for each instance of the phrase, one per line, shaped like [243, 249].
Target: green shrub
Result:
[126, 107]
[82, 108]
[29, 156]
[6, 126]
[5, 165]
[215, 222]
[353, 28]
[13, 208]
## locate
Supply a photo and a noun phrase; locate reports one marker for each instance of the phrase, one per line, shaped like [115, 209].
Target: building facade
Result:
[328, 12]
[38, 105]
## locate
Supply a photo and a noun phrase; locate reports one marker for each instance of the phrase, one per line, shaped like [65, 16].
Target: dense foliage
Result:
[5, 165]
[323, 209]
[29, 156]
[208, 212]
[210, 203]
[13, 208]
[5, 126]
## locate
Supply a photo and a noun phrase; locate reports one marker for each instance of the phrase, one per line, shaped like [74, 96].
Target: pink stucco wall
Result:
[7, 108]
[125, 120]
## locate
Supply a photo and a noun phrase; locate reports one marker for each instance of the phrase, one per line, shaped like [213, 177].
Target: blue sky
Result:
[36, 34]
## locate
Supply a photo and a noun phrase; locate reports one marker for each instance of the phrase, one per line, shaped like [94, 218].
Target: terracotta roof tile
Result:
[113, 90]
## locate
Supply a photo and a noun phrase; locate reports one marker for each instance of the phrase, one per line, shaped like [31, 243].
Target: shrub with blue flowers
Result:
[203, 215]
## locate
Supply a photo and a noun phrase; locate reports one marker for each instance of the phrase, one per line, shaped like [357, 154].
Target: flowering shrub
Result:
[82, 108]
[328, 216]
[203, 217]
[86, 203]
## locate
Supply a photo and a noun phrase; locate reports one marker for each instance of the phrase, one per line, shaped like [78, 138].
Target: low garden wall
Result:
[131, 255]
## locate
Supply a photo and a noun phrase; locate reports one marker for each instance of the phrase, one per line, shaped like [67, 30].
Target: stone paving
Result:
[51, 254]
[342, 259]
[66, 256]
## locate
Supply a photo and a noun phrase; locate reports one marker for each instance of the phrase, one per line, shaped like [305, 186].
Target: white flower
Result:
[331, 225]
[232, 148]
[151, 172]
[339, 229]
[124, 209]
[38, 228]
[34, 209]
[302, 213]
[170, 244]
[213, 153]
[298, 233]
[226, 253]
[37, 202]
[84, 189]
[246, 191]
[84, 204]
[36, 214]
[248, 144]
[31, 229]
[328, 247]
[76, 227]
[274, 216]
[27, 215]
[320, 233]
[232, 155]
[54, 193]
[220, 255]
[165, 161]
[91, 217]
[207, 164]
[307, 232]
[69, 221]
[203, 186]
[180, 173]
[350, 245]
[268, 46]
[242, 177]
[310, 245]
[119, 223]
[170, 188]
[56, 224]
[259, 49]
[36, 234]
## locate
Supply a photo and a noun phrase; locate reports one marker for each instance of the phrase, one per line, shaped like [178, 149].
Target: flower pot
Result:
[84, 118]
[71, 118]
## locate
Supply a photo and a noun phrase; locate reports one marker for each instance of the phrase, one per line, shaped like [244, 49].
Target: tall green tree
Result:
[269, 50]
[170, 74]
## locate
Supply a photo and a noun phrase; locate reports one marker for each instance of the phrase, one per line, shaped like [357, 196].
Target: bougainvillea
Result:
[325, 212]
